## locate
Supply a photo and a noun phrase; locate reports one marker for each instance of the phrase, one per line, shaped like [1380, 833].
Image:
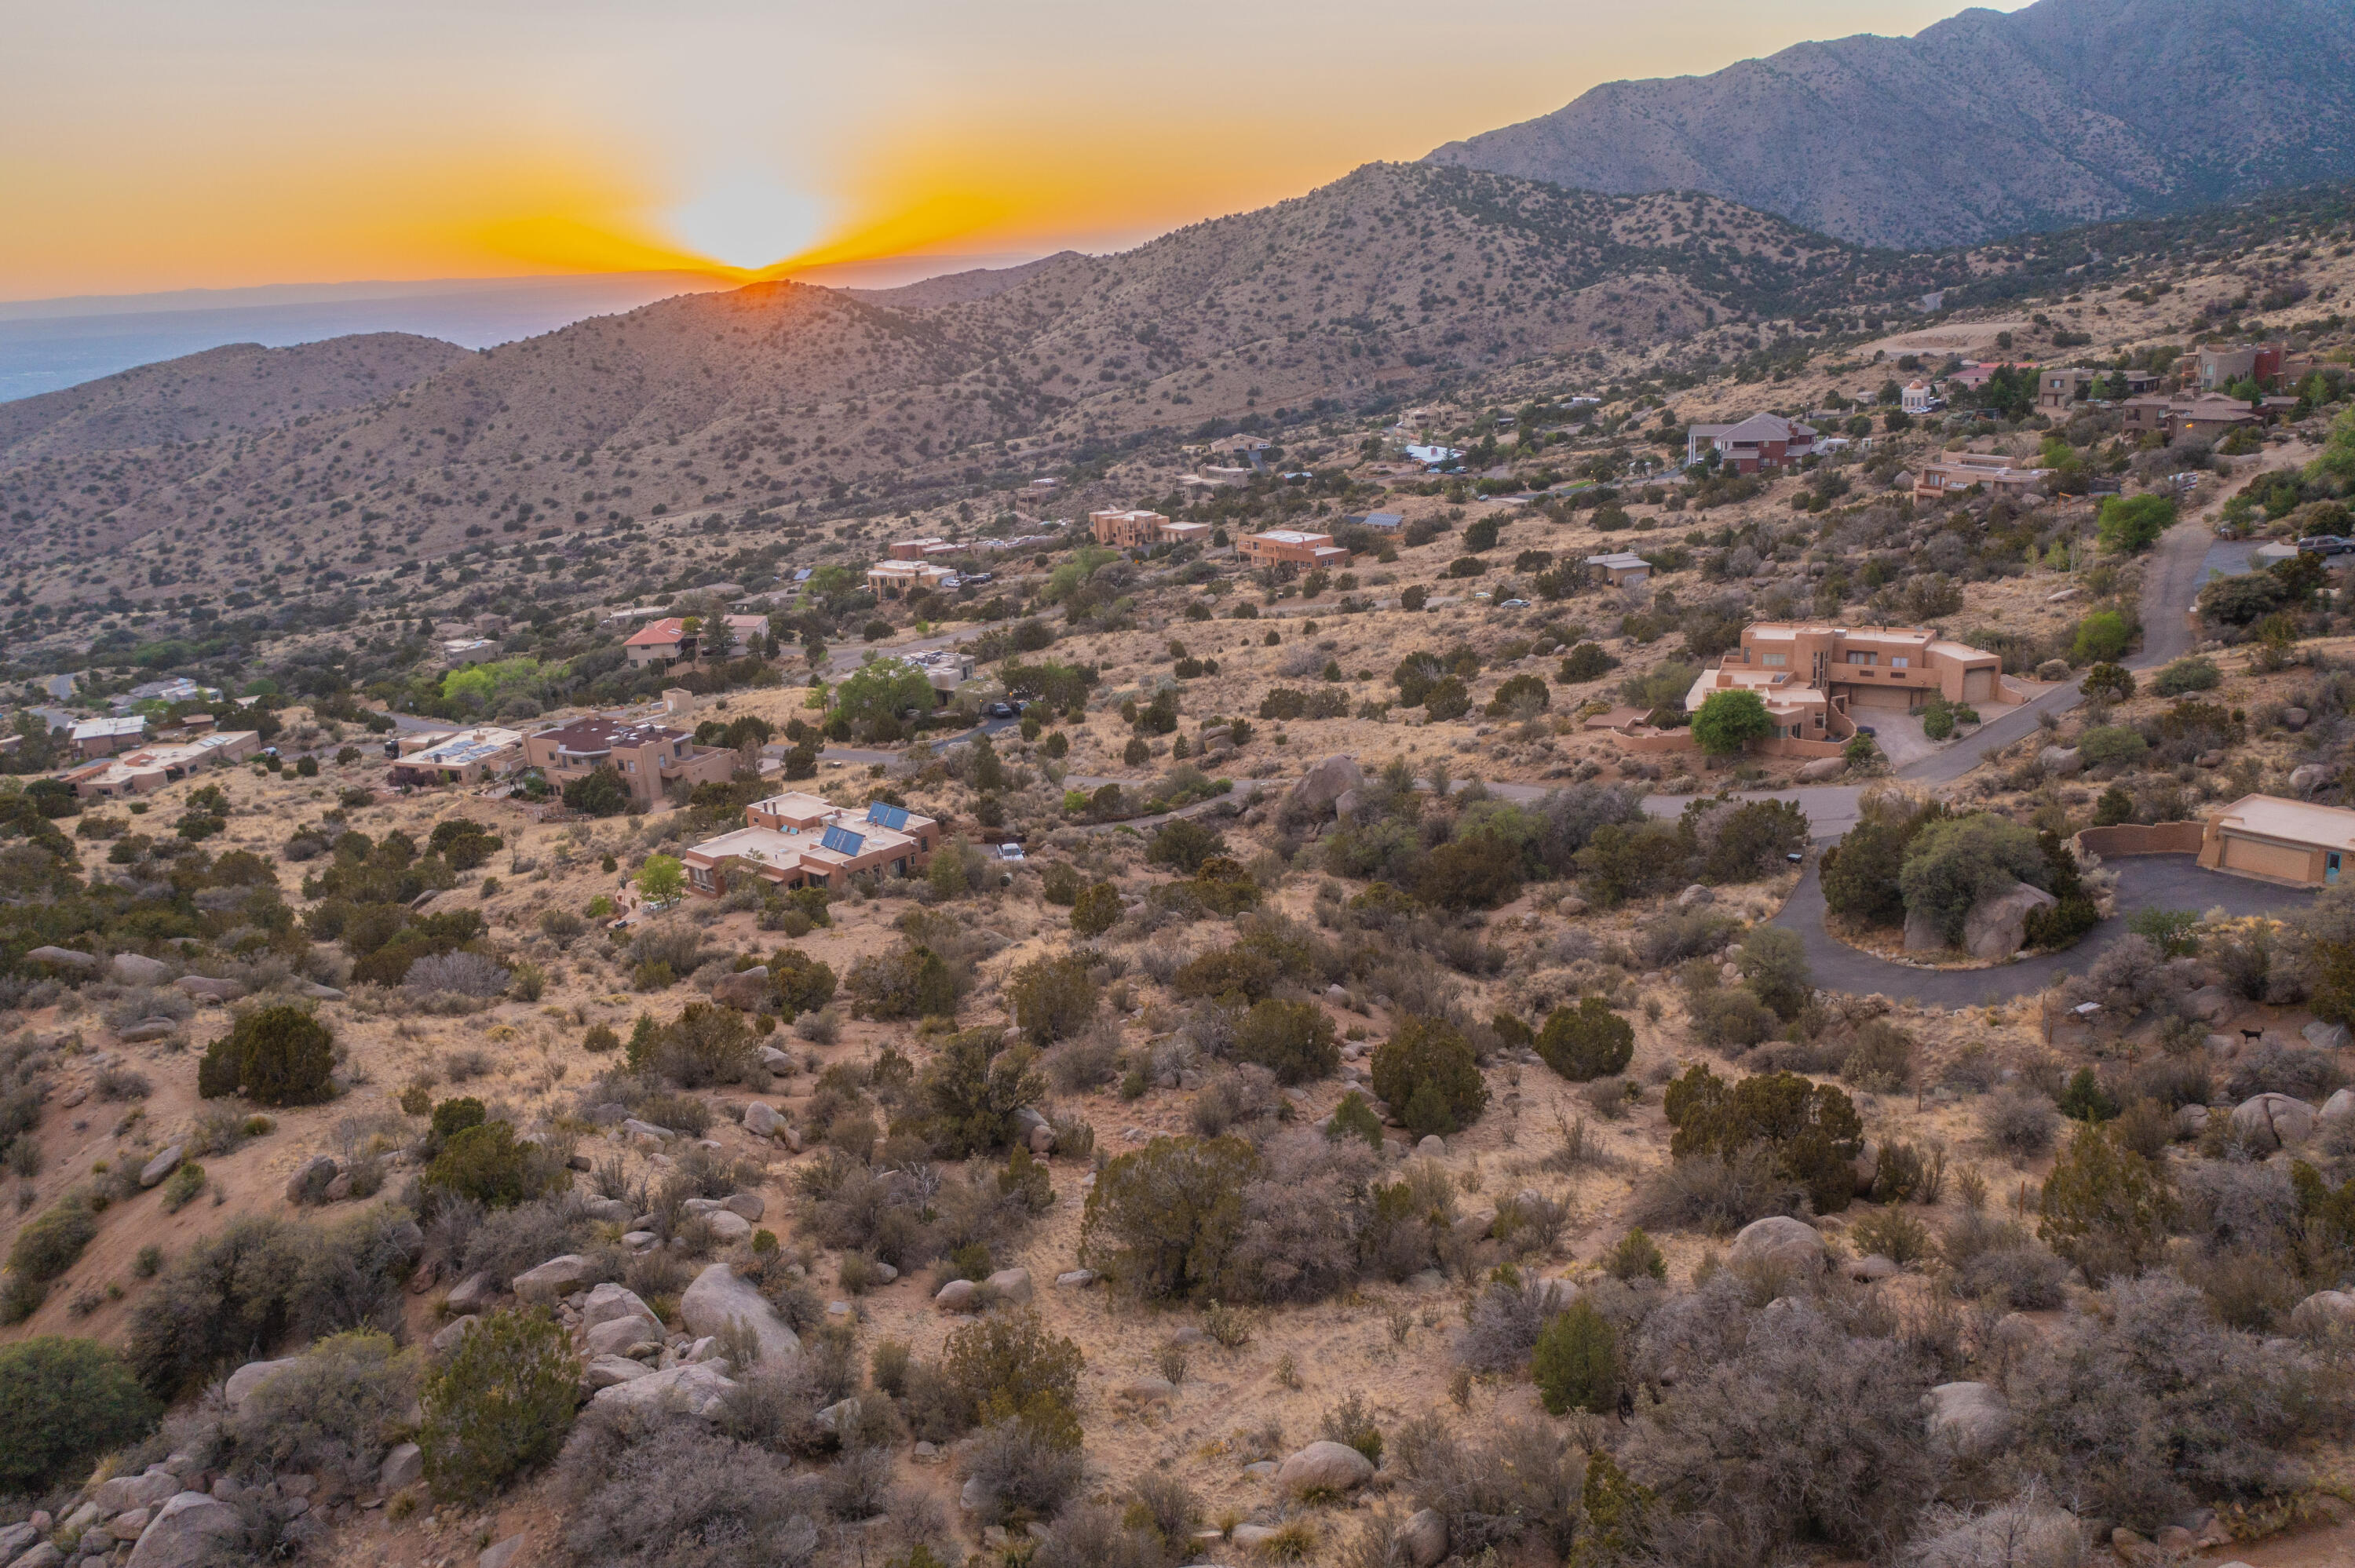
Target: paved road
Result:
[2144, 882]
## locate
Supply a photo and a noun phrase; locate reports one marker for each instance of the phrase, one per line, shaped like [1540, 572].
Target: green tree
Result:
[2105, 1208]
[1728, 721]
[1774, 964]
[661, 879]
[881, 689]
[1294, 1040]
[277, 1055]
[1952, 865]
[2115, 807]
[1096, 910]
[2110, 682]
[1165, 1221]
[1053, 998]
[2101, 636]
[486, 1165]
[1576, 1362]
[1587, 1042]
[1635, 1257]
[1427, 1073]
[800, 983]
[64, 1402]
[1812, 1129]
[501, 1404]
[597, 793]
[2131, 524]
[975, 1091]
[1183, 844]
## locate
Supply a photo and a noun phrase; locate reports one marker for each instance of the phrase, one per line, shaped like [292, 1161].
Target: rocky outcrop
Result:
[1822, 770]
[243, 1383]
[1923, 932]
[720, 1301]
[136, 969]
[1423, 1537]
[744, 990]
[2060, 761]
[559, 1277]
[403, 1468]
[1997, 926]
[2325, 1309]
[694, 1388]
[1324, 1466]
[162, 1165]
[184, 1533]
[63, 958]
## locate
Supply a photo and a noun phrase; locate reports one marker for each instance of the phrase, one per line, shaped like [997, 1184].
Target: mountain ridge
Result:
[1987, 123]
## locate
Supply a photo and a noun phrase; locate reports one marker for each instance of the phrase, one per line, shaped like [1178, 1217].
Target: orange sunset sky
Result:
[211, 143]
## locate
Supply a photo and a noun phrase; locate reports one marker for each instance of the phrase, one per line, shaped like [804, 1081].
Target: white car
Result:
[1010, 851]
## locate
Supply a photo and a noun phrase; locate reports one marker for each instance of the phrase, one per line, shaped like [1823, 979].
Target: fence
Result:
[2160, 838]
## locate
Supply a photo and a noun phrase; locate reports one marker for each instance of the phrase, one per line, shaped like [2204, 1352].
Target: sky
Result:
[158, 144]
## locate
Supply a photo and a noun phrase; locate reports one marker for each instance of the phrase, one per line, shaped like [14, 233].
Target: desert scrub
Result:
[500, 1405]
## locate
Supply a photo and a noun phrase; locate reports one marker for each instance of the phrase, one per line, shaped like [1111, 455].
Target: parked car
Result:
[1001, 710]
[1010, 851]
[1515, 604]
[2325, 544]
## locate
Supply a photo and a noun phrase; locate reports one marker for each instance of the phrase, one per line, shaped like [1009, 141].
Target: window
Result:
[1900, 662]
[1775, 661]
[1864, 658]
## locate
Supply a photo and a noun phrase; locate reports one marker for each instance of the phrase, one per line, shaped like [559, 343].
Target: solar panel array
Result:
[884, 815]
[842, 841]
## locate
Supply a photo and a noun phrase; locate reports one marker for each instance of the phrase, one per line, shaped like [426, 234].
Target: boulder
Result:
[2340, 1106]
[744, 990]
[501, 1554]
[1327, 782]
[720, 1301]
[2060, 761]
[2328, 1036]
[1923, 932]
[162, 1165]
[610, 1211]
[694, 1388]
[471, 1294]
[605, 1368]
[1252, 1536]
[322, 993]
[311, 1178]
[1871, 1269]
[1696, 896]
[762, 1121]
[63, 958]
[130, 1526]
[48, 1556]
[1822, 769]
[1423, 1537]
[1780, 1241]
[2271, 1122]
[622, 1337]
[1968, 1417]
[1997, 926]
[446, 1338]
[2191, 1120]
[838, 1416]
[403, 1468]
[1432, 1145]
[750, 1206]
[2295, 719]
[184, 1531]
[1077, 1278]
[125, 1492]
[779, 1062]
[250, 1377]
[728, 1227]
[135, 969]
[958, 1296]
[556, 1277]
[147, 1029]
[1011, 1286]
[1324, 1466]
[14, 1539]
[205, 988]
[1139, 1391]
[2325, 1309]
[2209, 1004]
[2309, 778]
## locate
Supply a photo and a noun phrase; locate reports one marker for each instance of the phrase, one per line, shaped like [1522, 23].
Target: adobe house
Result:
[795, 840]
[646, 757]
[667, 642]
[1290, 546]
[1620, 569]
[2274, 840]
[1817, 679]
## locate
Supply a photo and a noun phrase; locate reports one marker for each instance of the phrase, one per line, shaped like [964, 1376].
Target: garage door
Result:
[1878, 698]
[1978, 685]
[2259, 859]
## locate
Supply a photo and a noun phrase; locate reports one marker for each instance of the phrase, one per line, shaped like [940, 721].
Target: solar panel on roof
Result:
[842, 841]
[884, 815]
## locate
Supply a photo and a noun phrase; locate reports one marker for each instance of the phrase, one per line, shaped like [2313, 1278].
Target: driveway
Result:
[2144, 882]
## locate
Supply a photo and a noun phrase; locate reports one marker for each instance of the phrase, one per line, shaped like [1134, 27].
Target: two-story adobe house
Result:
[1817, 677]
[647, 758]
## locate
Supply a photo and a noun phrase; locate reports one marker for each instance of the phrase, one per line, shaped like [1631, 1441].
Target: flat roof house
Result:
[647, 758]
[1379, 521]
[920, 549]
[896, 579]
[105, 737]
[2057, 391]
[1951, 474]
[1761, 440]
[795, 840]
[2274, 840]
[1620, 569]
[1141, 530]
[667, 642]
[149, 769]
[1289, 547]
[467, 758]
